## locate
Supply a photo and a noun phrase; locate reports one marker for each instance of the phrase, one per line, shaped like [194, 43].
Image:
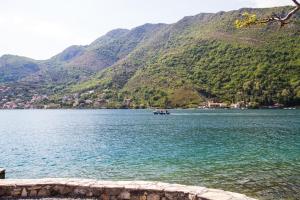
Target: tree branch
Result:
[284, 20]
[252, 20]
[296, 2]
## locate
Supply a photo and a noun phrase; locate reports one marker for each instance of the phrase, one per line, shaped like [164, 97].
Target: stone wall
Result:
[110, 190]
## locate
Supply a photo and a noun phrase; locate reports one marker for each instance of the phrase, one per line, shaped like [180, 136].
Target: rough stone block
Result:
[153, 196]
[66, 190]
[114, 191]
[89, 194]
[80, 191]
[125, 195]
[104, 196]
[216, 195]
[16, 192]
[33, 193]
[24, 193]
[144, 196]
[192, 197]
[43, 192]
[35, 187]
[96, 192]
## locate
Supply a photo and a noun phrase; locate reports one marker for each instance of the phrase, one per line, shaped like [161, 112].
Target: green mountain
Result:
[14, 68]
[198, 59]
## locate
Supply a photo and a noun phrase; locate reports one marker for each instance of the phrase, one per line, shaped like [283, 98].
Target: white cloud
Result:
[34, 27]
[38, 38]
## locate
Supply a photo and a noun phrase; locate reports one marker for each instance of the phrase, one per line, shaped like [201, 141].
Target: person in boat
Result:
[161, 112]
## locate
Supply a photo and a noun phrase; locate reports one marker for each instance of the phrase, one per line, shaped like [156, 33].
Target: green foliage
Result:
[258, 66]
[14, 68]
[199, 58]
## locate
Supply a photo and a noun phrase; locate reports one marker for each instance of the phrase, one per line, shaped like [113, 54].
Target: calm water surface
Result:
[256, 152]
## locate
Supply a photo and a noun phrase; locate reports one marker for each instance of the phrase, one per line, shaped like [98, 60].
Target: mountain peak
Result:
[117, 32]
[199, 58]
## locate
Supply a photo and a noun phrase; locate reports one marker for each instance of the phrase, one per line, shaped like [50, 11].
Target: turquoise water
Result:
[256, 152]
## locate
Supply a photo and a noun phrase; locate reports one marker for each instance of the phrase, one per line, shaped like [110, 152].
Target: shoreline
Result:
[66, 108]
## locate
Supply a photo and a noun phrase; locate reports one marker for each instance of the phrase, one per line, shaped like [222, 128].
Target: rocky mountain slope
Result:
[199, 58]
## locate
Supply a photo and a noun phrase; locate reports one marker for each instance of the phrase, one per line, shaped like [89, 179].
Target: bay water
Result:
[255, 152]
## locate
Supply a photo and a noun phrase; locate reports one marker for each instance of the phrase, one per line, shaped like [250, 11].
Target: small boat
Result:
[161, 112]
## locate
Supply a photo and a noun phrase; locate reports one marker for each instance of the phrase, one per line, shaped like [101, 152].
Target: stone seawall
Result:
[110, 190]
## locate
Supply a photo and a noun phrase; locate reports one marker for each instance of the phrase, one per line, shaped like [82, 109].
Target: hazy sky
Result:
[41, 28]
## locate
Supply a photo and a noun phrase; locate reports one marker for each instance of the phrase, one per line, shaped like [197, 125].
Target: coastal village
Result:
[84, 100]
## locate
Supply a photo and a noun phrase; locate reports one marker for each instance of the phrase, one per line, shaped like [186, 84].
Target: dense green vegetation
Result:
[204, 57]
[199, 58]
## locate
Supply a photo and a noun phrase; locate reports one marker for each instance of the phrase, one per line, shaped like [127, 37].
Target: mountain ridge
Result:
[184, 64]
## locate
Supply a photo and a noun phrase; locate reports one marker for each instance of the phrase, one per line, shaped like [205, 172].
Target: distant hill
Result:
[199, 58]
[14, 68]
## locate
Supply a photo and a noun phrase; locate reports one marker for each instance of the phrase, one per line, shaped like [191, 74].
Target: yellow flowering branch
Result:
[251, 19]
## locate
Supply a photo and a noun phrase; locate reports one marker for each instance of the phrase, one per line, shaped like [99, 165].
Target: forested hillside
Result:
[200, 58]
